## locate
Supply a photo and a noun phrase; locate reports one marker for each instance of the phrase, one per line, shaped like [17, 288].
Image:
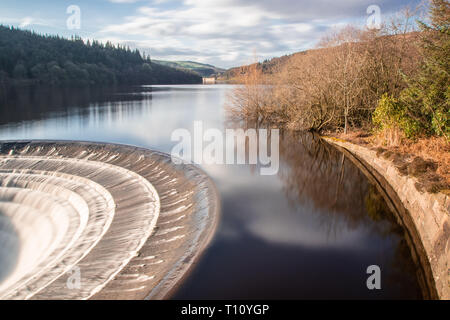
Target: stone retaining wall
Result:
[428, 212]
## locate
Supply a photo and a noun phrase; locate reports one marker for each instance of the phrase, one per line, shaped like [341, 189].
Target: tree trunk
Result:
[345, 122]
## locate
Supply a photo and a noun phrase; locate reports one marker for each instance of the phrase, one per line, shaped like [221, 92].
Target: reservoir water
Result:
[311, 231]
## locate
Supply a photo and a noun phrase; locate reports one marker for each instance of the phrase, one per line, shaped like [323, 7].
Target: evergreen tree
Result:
[26, 57]
[427, 99]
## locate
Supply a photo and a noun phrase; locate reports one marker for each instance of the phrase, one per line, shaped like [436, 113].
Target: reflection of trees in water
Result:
[313, 171]
[19, 104]
[315, 174]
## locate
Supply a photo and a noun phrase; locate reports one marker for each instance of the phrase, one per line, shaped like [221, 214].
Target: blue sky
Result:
[225, 33]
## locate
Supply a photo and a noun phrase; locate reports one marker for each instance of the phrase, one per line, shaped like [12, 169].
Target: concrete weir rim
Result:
[188, 210]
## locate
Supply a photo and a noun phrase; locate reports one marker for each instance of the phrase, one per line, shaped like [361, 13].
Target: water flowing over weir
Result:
[127, 220]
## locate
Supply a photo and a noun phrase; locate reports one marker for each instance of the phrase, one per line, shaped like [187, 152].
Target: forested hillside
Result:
[268, 66]
[27, 57]
[205, 70]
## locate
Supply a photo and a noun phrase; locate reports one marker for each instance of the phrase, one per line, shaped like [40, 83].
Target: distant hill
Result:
[204, 70]
[268, 66]
[271, 66]
[27, 57]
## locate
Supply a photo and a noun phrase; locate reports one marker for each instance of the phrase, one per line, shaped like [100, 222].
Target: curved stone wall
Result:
[424, 215]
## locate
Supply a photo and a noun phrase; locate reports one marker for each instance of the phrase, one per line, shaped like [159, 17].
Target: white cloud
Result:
[228, 32]
[124, 1]
[26, 22]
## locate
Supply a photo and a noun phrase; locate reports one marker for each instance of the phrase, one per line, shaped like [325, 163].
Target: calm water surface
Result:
[309, 232]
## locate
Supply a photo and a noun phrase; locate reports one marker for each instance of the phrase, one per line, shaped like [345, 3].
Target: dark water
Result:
[309, 232]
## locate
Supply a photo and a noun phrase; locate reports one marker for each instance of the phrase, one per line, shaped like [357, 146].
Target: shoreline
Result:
[424, 216]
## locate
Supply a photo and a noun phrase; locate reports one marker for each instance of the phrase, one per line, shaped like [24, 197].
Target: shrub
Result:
[391, 114]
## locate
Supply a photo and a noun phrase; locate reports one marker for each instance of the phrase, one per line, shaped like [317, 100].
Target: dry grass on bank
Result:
[427, 159]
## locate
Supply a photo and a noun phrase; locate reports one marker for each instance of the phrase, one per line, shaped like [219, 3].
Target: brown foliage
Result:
[427, 159]
[337, 85]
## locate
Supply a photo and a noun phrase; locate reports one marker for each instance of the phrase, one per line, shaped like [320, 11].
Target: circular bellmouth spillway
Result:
[81, 220]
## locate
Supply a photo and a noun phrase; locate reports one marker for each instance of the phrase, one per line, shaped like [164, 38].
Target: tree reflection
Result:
[314, 173]
[21, 104]
[313, 170]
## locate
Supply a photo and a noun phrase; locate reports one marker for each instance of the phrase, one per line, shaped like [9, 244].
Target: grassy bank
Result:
[426, 158]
